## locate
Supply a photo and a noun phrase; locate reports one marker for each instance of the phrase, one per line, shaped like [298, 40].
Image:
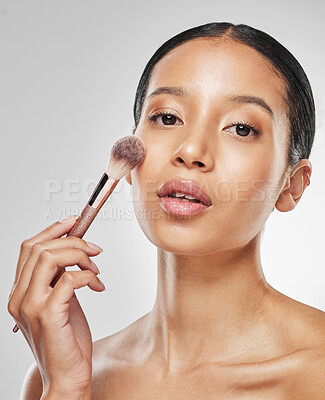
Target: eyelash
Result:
[256, 132]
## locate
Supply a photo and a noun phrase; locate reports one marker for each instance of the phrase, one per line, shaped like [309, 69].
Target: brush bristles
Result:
[126, 154]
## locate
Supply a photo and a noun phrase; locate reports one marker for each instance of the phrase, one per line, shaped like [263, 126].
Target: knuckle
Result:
[24, 309]
[45, 254]
[79, 251]
[26, 244]
[67, 277]
[84, 256]
[80, 254]
[37, 247]
[77, 242]
[12, 308]
[29, 312]
[89, 274]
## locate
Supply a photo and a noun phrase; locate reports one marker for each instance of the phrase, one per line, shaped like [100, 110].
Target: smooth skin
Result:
[51, 318]
[217, 328]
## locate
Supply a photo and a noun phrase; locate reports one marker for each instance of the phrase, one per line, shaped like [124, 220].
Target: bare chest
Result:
[220, 385]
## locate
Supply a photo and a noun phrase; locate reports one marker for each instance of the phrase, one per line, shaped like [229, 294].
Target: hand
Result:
[51, 318]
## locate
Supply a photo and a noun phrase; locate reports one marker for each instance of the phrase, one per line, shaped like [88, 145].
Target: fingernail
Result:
[95, 267]
[102, 284]
[94, 246]
[69, 219]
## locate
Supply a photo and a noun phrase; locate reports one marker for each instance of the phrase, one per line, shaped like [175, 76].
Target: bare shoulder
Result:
[304, 324]
[114, 356]
[106, 359]
[312, 333]
[305, 327]
[110, 356]
[311, 376]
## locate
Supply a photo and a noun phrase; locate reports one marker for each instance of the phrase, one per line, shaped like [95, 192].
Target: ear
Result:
[294, 186]
[128, 178]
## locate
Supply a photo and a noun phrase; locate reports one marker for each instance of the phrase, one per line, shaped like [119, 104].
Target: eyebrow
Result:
[173, 90]
[179, 91]
[253, 100]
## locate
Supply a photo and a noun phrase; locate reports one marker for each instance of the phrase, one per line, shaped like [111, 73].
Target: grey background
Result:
[69, 71]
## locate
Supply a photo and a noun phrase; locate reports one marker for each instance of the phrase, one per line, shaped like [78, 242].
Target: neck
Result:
[206, 307]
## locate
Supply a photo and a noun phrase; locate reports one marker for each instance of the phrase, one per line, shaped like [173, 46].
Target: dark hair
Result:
[301, 107]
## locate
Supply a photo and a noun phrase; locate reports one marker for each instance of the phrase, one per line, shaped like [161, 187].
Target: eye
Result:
[166, 117]
[243, 129]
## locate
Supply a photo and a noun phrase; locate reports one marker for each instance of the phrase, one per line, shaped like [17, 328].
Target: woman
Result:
[227, 114]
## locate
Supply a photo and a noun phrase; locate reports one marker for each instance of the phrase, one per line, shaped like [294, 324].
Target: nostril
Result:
[199, 163]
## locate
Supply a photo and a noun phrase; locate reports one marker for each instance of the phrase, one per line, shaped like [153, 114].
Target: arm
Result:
[32, 388]
[50, 315]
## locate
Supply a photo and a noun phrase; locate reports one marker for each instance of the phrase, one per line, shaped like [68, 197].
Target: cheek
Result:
[244, 176]
[247, 173]
[150, 174]
[146, 177]
[145, 181]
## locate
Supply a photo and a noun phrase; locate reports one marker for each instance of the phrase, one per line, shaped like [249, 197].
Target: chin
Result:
[186, 236]
[178, 241]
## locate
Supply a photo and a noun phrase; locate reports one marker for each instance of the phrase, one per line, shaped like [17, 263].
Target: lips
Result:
[184, 186]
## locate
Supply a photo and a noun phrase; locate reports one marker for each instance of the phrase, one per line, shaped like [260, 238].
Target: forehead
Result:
[213, 67]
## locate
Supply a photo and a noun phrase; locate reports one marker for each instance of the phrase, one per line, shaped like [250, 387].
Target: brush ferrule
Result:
[102, 191]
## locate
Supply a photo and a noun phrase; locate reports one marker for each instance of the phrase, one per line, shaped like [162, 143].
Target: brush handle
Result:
[101, 193]
[87, 216]
[83, 222]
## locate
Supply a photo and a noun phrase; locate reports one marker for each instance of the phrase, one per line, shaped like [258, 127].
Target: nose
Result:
[194, 152]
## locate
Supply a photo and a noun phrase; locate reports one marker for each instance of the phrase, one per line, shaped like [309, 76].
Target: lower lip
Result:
[181, 207]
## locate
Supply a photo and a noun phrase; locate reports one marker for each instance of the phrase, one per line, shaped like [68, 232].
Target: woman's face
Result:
[239, 169]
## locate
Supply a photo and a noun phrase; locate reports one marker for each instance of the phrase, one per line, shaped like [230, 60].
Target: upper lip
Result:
[186, 187]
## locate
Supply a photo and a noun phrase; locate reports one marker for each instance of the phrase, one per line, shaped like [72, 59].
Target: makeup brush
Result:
[126, 153]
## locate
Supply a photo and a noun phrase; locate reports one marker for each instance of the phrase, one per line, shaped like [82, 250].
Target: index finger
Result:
[54, 231]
